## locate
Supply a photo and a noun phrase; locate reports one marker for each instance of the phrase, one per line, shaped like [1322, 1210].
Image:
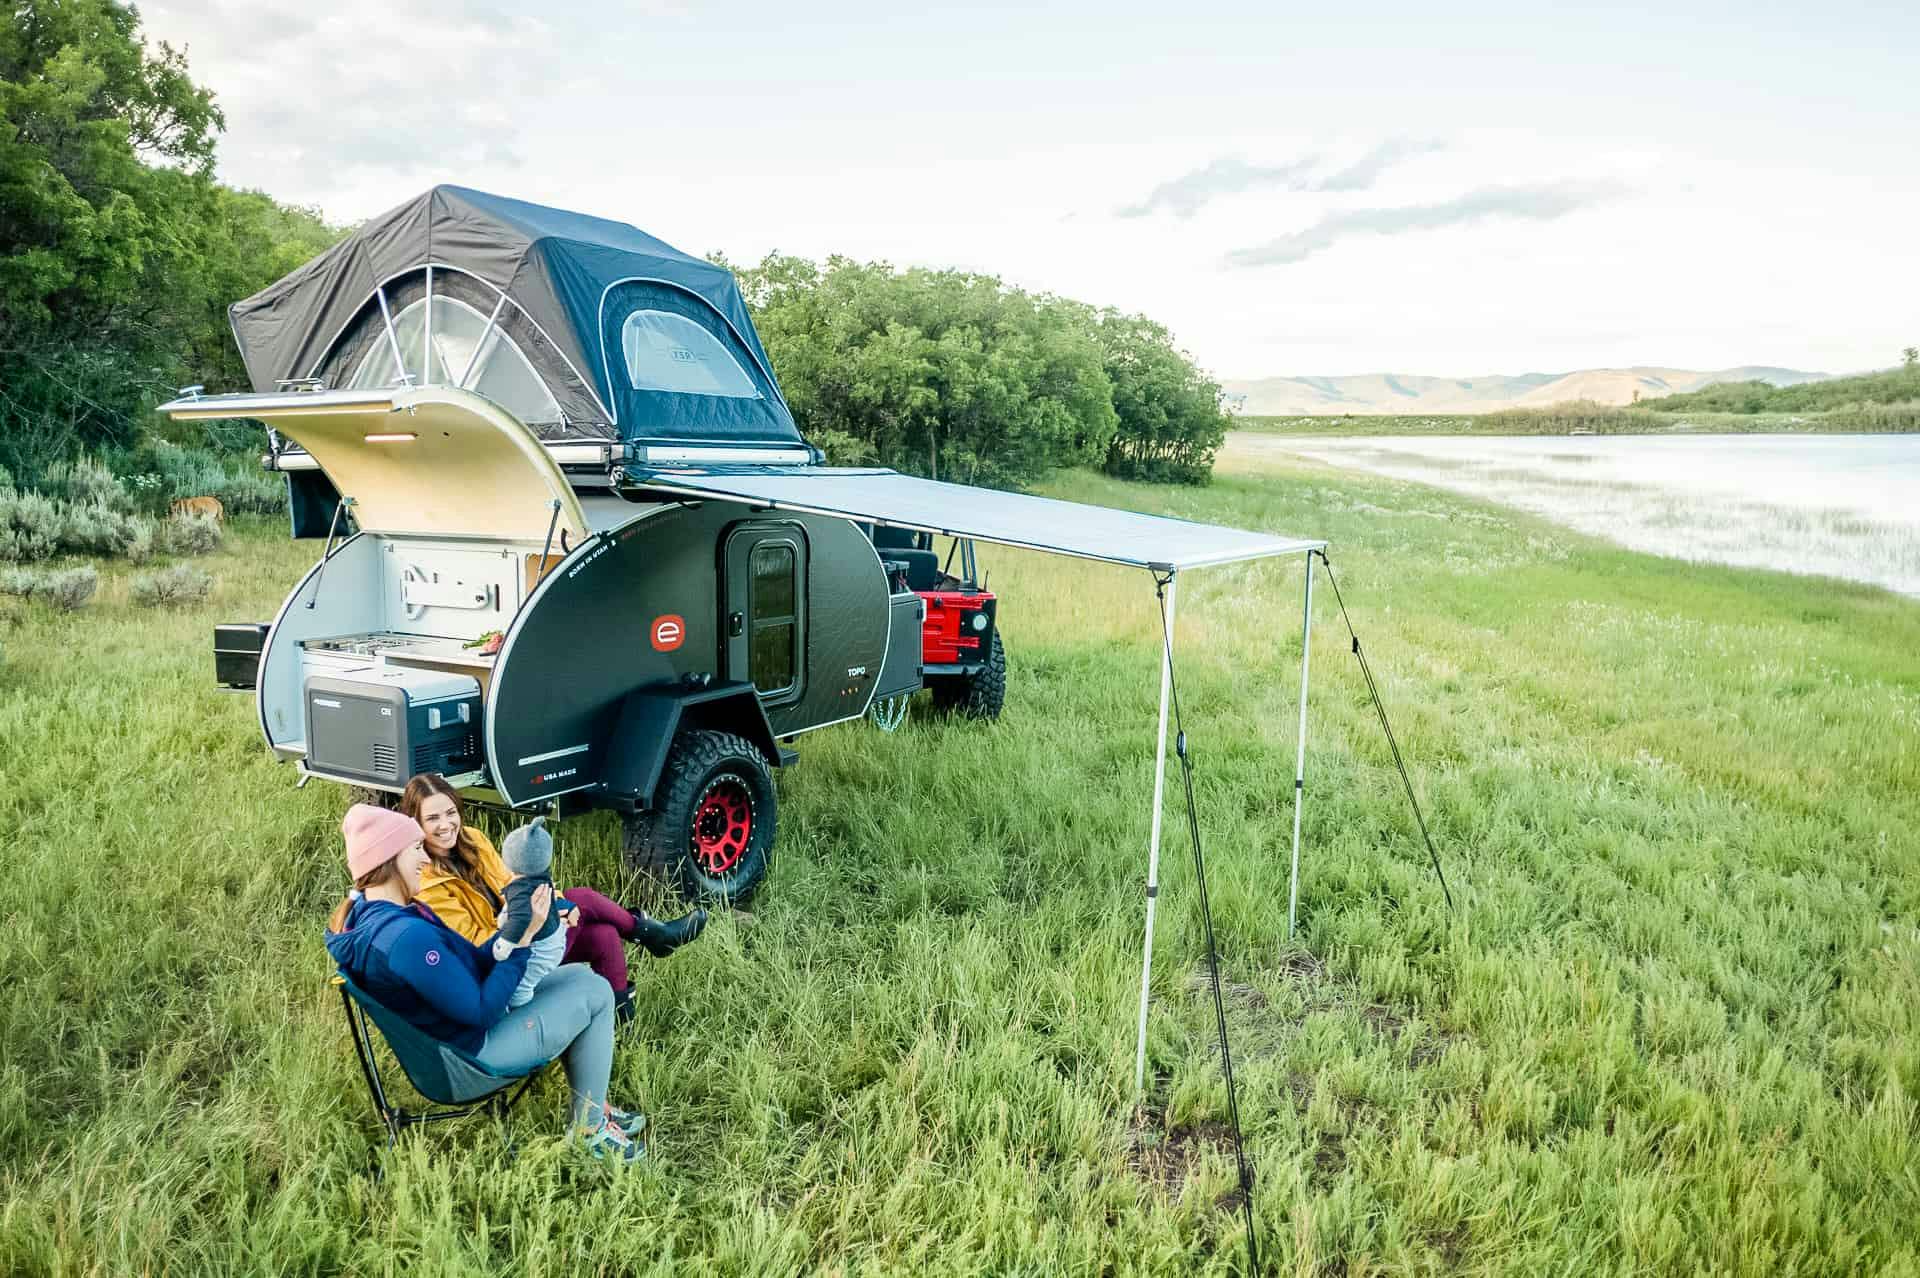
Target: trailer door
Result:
[433, 460]
[764, 608]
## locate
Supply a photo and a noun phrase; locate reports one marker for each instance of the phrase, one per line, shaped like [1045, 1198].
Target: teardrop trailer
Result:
[508, 418]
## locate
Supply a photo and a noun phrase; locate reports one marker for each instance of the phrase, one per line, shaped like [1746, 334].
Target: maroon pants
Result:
[599, 940]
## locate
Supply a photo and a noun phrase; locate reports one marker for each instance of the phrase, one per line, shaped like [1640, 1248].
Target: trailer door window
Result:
[773, 615]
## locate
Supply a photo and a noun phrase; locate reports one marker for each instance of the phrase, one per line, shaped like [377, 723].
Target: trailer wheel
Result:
[710, 831]
[979, 695]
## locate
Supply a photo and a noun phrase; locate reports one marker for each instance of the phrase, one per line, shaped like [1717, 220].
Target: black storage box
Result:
[236, 652]
[901, 673]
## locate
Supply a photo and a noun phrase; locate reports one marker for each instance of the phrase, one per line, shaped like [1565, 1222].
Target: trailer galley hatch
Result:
[431, 461]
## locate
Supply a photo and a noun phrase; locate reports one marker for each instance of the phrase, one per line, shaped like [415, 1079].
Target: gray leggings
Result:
[570, 1016]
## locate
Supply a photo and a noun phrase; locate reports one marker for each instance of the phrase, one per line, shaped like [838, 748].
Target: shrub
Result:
[70, 588]
[30, 526]
[139, 547]
[180, 584]
[67, 589]
[190, 535]
[97, 529]
[160, 473]
[86, 483]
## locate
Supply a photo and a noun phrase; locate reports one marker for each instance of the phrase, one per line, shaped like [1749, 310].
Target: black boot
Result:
[623, 1006]
[662, 939]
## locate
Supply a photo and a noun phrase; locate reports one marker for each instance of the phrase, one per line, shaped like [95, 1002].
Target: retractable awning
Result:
[983, 514]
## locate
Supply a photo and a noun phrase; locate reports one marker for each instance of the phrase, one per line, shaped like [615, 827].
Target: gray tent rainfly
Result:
[582, 327]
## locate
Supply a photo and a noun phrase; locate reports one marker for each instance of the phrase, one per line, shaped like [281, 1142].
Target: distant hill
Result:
[1373, 394]
[1893, 386]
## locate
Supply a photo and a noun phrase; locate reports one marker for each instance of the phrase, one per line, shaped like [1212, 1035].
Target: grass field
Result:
[1673, 1028]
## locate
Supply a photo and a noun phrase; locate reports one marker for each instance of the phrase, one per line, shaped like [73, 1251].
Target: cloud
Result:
[1230, 175]
[1365, 171]
[1541, 203]
[388, 95]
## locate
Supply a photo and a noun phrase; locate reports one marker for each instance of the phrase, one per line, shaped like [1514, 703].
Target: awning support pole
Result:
[1166, 588]
[1300, 756]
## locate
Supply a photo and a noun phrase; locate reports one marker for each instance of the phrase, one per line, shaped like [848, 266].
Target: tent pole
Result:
[1153, 841]
[1300, 757]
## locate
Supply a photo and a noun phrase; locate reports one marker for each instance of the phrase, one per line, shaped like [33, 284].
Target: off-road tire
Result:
[691, 841]
[979, 695]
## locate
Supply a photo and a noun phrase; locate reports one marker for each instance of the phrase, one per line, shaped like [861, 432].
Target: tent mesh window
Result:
[557, 406]
[667, 352]
[459, 349]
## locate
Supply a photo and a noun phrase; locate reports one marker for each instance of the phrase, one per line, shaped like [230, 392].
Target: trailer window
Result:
[667, 352]
[772, 655]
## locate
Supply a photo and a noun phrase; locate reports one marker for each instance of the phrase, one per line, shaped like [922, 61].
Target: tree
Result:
[1170, 420]
[940, 373]
[118, 251]
[1911, 357]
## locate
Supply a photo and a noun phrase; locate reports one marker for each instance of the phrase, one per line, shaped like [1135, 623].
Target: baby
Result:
[528, 852]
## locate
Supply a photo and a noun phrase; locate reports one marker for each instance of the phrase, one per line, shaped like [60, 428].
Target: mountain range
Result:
[1377, 394]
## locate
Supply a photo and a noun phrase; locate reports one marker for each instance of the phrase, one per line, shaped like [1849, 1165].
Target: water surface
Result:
[1838, 505]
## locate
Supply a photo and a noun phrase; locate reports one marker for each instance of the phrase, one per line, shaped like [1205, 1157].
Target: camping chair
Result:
[444, 1074]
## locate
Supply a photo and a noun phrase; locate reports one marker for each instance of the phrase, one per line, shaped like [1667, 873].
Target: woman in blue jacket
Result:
[456, 992]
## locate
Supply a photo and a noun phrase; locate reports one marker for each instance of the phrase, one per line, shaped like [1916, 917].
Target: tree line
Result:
[959, 376]
[119, 254]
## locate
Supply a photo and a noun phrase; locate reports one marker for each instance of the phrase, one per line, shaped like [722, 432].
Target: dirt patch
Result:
[1168, 1159]
[1235, 992]
[1329, 1160]
[1451, 1244]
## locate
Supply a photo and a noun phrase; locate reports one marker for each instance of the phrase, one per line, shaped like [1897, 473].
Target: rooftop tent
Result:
[581, 327]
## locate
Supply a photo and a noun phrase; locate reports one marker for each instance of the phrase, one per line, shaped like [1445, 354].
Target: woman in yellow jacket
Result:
[464, 877]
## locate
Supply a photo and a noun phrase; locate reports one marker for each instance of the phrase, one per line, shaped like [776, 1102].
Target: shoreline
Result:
[1777, 509]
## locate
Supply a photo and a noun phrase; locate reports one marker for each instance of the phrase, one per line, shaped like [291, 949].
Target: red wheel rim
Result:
[722, 825]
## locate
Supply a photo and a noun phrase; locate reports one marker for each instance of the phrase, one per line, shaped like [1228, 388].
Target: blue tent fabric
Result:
[562, 270]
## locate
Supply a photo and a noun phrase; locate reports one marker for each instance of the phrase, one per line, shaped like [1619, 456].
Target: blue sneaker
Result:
[610, 1144]
[630, 1121]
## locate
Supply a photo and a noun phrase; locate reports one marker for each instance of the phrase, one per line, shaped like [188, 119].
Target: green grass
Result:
[1655, 417]
[1673, 1028]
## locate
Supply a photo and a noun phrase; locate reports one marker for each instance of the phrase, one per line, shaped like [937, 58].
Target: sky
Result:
[1453, 190]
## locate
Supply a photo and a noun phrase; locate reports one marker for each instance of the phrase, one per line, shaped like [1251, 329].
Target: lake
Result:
[1837, 505]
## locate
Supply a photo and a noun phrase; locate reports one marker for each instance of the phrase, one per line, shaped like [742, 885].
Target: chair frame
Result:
[396, 1118]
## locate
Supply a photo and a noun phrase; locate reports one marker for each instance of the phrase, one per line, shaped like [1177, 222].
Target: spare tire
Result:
[709, 834]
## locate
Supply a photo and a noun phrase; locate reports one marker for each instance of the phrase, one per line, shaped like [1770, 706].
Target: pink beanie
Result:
[376, 835]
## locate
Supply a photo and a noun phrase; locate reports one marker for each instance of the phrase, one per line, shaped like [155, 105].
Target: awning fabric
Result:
[983, 514]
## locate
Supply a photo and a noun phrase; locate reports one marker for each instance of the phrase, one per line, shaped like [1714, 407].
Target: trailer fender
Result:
[649, 717]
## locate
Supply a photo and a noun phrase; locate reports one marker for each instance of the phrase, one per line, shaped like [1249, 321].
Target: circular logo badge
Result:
[669, 632]
[433, 958]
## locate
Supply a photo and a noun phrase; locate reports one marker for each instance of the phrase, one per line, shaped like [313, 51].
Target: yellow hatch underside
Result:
[433, 460]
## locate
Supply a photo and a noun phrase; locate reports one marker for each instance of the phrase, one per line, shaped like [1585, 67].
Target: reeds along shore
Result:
[1674, 1026]
[1602, 419]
